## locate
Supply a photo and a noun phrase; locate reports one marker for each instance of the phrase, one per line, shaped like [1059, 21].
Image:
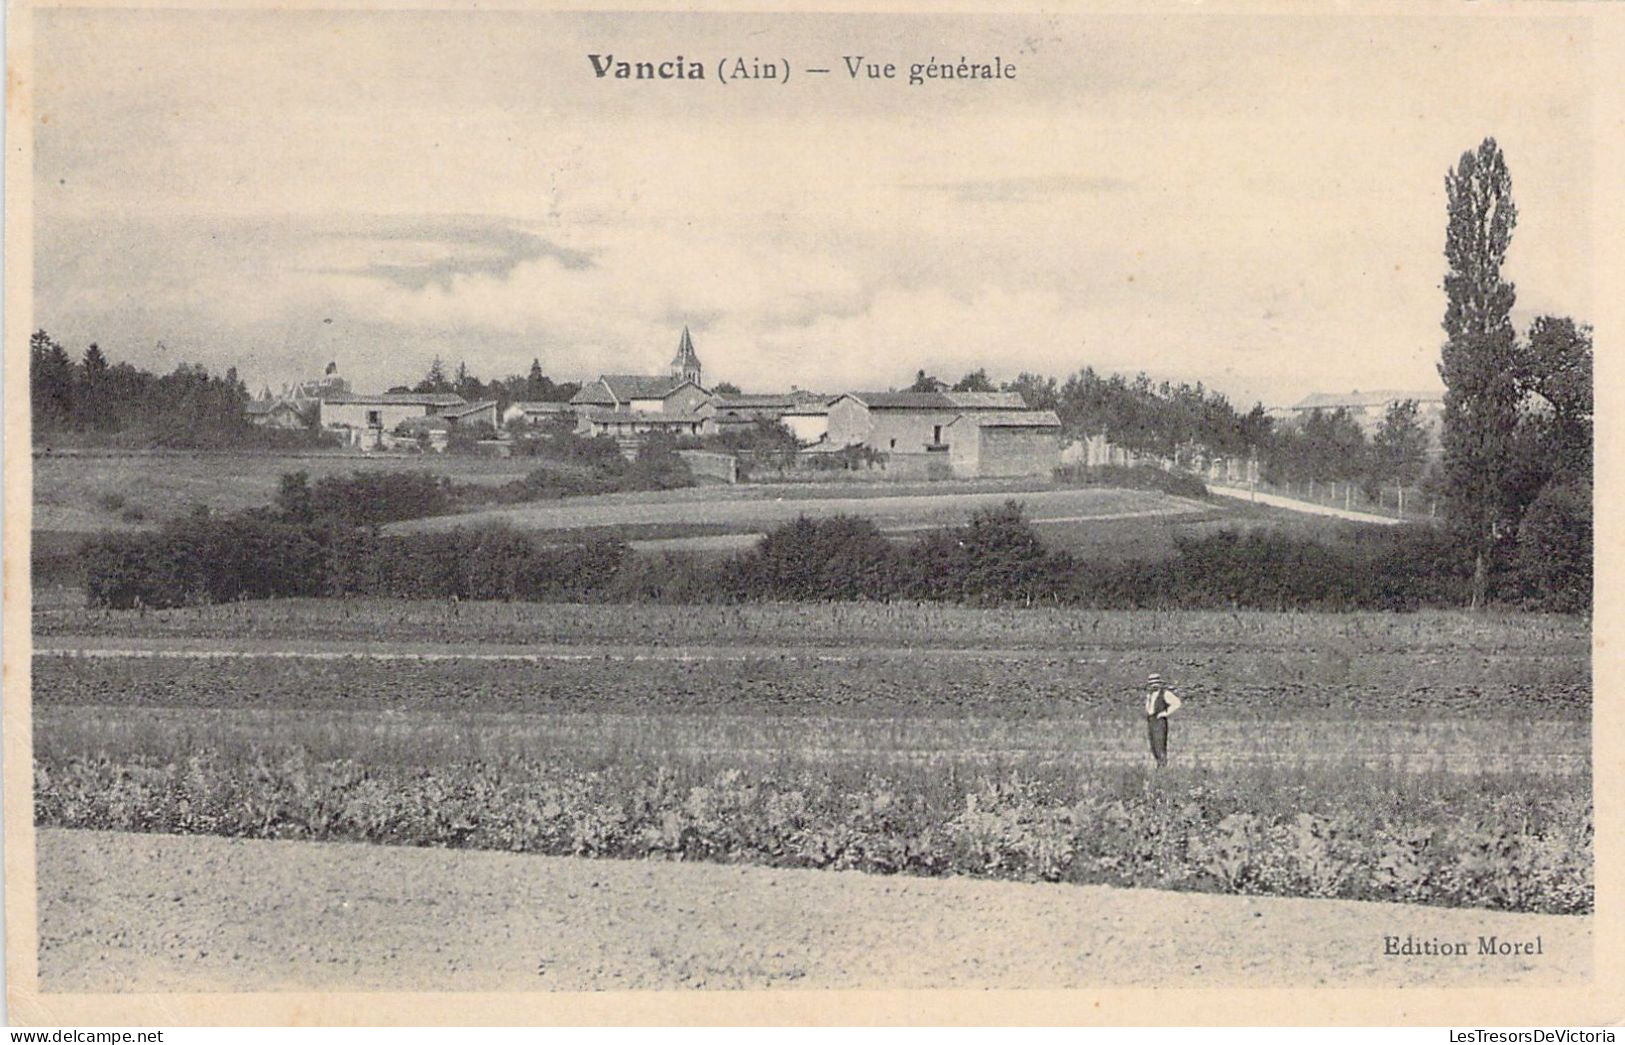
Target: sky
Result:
[1252, 201]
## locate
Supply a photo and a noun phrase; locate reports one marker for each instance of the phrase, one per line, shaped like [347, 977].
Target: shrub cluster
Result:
[998, 558]
[204, 559]
[489, 563]
[364, 498]
[1455, 848]
[198, 559]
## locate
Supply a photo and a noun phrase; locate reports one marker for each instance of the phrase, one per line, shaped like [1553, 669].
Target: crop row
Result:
[919, 748]
[1270, 686]
[1443, 841]
[1450, 634]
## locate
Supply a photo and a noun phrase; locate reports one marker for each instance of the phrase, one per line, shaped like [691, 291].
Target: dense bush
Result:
[657, 466]
[996, 557]
[843, 557]
[488, 563]
[1554, 556]
[363, 498]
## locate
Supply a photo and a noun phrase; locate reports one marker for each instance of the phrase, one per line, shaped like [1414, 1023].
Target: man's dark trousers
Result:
[1157, 726]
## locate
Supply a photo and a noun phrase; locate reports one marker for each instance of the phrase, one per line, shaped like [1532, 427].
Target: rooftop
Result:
[904, 400]
[987, 400]
[396, 399]
[613, 388]
[1013, 419]
[635, 416]
[1333, 400]
[468, 408]
[266, 406]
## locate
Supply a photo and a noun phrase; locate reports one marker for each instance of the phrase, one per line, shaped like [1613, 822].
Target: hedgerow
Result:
[997, 557]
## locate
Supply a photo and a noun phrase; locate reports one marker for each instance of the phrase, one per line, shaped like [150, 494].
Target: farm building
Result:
[1004, 443]
[1369, 408]
[629, 424]
[726, 412]
[483, 413]
[536, 413]
[347, 410]
[274, 413]
[910, 422]
[808, 421]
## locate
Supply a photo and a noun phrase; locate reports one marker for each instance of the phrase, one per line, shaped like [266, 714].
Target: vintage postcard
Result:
[557, 512]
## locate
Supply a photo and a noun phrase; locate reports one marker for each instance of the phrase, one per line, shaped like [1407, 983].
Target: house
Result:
[274, 413]
[640, 393]
[365, 419]
[1369, 408]
[1004, 443]
[535, 413]
[909, 422]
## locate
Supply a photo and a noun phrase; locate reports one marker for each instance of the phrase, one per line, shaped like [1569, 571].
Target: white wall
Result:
[354, 415]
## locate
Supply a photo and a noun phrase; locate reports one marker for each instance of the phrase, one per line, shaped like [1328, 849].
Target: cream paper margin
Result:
[1600, 1002]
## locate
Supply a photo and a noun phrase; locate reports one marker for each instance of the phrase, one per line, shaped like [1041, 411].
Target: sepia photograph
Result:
[712, 505]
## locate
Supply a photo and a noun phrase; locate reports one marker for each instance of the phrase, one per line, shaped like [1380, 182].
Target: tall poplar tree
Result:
[1480, 362]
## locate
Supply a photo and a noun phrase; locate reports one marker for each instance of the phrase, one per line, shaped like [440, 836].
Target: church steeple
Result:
[685, 365]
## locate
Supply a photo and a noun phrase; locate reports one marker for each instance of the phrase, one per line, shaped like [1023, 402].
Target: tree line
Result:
[533, 386]
[93, 397]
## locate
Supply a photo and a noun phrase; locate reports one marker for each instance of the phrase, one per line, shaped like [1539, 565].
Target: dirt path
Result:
[167, 647]
[122, 912]
[1307, 507]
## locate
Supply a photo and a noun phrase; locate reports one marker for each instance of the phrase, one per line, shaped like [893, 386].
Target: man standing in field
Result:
[1160, 702]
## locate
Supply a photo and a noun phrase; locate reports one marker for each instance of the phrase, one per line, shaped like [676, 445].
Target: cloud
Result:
[1022, 190]
[419, 254]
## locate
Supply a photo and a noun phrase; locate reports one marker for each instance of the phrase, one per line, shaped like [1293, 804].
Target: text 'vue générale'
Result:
[855, 68]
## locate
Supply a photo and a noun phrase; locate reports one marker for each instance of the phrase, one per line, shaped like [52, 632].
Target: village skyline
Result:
[291, 387]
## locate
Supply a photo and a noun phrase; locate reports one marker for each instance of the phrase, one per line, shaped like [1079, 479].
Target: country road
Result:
[132, 912]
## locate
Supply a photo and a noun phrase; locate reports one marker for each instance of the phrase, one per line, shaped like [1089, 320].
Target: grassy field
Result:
[755, 509]
[1432, 758]
[88, 491]
[81, 493]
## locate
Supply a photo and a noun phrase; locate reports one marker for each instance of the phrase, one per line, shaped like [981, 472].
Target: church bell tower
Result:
[685, 365]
